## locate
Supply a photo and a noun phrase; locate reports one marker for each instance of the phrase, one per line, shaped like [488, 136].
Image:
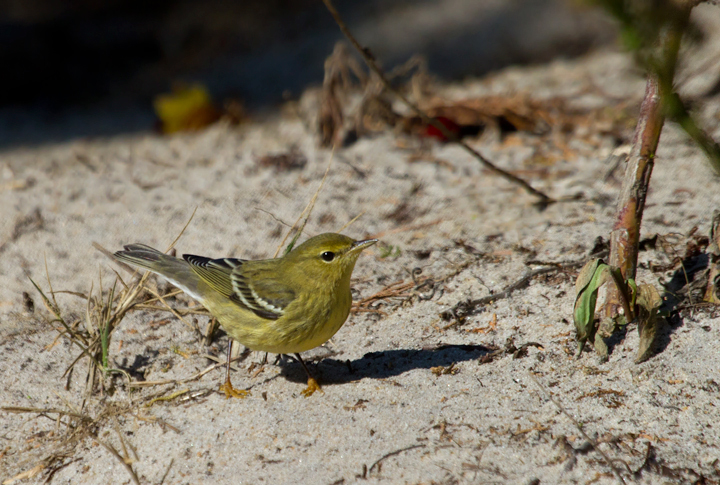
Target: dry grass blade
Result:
[103, 313]
[172, 396]
[129, 298]
[75, 337]
[169, 308]
[77, 427]
[306, 212]
[22, 409]
[399, 289]
[106, 326]
[73, 293]
[117, 455]
[51, 307]
[52, 293]
[88, 314]
[124, 443]
[169, 294]
[178, 381]
[163, 424]
[172, 245]
[194, 377]
[348, 224]
[110, 255]
[26, 474]
[179, 311]
[108, 314]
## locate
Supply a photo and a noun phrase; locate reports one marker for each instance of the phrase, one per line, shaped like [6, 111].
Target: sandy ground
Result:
[408, 397]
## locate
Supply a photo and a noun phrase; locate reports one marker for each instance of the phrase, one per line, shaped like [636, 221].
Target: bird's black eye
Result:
[328, 256]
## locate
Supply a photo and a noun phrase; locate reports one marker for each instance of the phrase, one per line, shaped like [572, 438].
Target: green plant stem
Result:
[625, 235]
[679, 114]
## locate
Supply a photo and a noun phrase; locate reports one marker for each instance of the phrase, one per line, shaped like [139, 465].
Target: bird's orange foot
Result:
[312, 387]
[230, 391]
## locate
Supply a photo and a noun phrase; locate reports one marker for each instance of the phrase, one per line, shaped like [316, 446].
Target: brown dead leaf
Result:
[519, 113]
[404, 213]
[336, 85]
[360, 404]
[293, 159]
[442, 370]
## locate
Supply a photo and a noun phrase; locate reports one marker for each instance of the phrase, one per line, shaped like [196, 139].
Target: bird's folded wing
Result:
[215, 272]
[263, 292]
[243, 282]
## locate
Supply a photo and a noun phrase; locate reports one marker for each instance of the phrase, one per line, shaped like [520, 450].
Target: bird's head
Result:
[329, 255]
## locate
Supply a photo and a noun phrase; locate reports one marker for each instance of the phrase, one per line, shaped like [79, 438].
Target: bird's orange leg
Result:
[312, 383]
[227, 387]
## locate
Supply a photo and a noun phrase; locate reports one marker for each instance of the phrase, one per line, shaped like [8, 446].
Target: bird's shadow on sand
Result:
[382, 364]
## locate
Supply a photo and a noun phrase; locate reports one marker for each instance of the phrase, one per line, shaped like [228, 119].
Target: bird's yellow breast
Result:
[304, 325]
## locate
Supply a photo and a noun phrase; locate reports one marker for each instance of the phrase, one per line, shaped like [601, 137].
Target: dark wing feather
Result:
[216, 272]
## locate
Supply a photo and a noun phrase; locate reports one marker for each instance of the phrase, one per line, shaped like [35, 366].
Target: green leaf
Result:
[591, 277]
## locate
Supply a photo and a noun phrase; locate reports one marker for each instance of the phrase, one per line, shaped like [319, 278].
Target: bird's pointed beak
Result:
[358, 246]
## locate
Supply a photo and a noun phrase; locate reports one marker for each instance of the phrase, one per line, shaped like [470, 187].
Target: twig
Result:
[393, 290]
[464, 308]
[399, 289]
[370, 61]
[162, 480]
[548, 395]
[393, 453]
[277, 219]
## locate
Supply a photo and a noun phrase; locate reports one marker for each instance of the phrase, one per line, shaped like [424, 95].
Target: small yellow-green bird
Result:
[283, 305]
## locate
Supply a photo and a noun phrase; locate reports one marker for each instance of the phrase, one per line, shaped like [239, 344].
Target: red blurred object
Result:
[432, 132]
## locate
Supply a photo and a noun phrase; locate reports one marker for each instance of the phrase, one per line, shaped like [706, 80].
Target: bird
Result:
[284, 305]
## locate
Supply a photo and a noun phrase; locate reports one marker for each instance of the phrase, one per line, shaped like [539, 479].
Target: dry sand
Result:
[388, 413]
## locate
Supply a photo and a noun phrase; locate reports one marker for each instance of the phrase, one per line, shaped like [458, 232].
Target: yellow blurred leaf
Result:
[187, 108]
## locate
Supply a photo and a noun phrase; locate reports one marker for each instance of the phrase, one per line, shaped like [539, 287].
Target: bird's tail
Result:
[175, 270]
